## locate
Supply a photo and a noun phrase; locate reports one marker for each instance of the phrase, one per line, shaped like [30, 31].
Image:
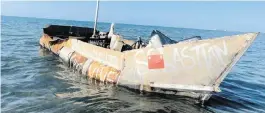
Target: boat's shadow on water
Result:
[119, 99]
[95, 96]
[217, 101]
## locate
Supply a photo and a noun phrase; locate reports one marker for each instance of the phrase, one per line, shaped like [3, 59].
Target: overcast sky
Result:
[232, 16]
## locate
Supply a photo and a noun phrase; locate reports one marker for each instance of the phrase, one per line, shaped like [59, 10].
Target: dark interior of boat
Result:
[63, 32]
[102, 39]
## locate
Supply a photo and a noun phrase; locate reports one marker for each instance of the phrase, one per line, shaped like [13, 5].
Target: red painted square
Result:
[155, 62]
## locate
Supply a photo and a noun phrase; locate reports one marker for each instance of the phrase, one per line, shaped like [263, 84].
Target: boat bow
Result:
[195, 66]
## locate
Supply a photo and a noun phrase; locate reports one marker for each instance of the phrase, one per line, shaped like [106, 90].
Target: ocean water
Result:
[35, 80]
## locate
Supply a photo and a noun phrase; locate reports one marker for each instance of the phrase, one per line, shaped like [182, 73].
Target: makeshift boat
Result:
[191, 67]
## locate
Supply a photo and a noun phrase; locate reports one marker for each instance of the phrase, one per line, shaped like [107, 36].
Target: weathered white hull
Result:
[193, 69]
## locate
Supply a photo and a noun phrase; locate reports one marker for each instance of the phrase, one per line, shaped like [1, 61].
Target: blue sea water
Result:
[34, 80]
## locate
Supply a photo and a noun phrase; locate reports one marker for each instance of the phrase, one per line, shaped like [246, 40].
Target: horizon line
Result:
[128, 24]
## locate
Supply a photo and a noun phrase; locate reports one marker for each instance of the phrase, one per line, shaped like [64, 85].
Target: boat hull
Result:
[193, 69]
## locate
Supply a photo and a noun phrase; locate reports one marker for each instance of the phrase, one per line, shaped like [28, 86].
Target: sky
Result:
[230, 16]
